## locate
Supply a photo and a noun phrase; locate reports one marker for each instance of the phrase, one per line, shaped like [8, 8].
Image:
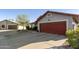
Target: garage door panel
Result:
[12, 26]
[54, 27]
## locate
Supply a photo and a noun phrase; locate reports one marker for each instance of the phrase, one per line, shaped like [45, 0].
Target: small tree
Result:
[22, 20]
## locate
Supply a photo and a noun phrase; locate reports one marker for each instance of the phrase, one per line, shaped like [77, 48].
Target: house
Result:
[6, 25]
[56, 22]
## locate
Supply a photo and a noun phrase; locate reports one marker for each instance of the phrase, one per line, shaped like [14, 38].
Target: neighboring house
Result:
[6, 25]
[56, 22]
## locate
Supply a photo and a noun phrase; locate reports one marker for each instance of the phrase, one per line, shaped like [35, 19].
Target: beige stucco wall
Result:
[57, 18]
[19, 27]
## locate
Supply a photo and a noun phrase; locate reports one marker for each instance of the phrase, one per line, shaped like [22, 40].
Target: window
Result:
[3, 26]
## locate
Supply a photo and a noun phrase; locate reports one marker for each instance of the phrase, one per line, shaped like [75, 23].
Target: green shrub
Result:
[70, 33]
[73, 42]
[73, 38]
[34, 28]
[77, 31]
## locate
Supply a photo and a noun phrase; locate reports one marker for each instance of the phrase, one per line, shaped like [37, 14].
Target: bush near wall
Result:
[32, 28]
[73, 37]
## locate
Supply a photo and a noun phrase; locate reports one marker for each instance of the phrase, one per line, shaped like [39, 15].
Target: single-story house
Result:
[6, 25]
[56, 22]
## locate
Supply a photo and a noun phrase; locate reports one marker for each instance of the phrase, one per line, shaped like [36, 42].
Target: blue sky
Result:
[32, 14]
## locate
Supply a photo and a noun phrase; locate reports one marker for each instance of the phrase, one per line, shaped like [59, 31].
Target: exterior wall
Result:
[21, 27]
[57, 18]
[6, 23]
[75, 25]
[3, 23]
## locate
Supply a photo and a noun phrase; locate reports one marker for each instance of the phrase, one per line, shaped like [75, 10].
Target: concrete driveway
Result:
[30, 39]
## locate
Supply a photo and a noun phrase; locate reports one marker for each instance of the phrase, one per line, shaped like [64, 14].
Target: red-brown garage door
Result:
[54, 27]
